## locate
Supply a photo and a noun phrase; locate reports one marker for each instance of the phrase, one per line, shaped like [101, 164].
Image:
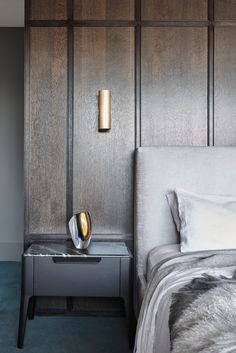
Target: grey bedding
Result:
[189, 305]
[160, 254]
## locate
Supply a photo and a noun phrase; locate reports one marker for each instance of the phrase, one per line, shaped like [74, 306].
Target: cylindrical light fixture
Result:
[104, 108]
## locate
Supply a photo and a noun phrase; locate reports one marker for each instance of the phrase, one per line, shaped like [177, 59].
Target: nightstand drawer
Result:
[76, 276]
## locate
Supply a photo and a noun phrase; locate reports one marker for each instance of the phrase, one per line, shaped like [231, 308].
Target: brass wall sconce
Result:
[104, 110]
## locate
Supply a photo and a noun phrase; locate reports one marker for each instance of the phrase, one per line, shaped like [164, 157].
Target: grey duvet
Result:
[190, 305]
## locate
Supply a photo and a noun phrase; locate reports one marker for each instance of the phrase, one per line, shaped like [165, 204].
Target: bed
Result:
[167, 279]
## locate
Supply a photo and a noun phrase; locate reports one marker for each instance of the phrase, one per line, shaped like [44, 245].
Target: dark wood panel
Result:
[47, 131]
[104, 58]
[104, 9]
[225, 9]
[174, 86]
[225, 86]
[174, 10]
[48, 10]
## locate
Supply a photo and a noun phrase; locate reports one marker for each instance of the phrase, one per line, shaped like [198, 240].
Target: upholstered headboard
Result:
[159, 169]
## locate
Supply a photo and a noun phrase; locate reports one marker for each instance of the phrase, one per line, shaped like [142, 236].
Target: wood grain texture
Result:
[103, 166]
[225, 9]
[104, 9]
[174, 10]
[174, 86]
[225, 86]
[47, 129]
[48, 9]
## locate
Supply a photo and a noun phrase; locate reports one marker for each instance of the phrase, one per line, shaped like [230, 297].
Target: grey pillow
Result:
[205, 222]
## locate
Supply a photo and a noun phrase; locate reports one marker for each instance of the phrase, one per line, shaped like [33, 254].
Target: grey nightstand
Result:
[58, 269]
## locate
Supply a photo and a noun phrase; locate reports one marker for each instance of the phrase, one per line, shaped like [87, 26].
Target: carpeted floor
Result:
[54, 334]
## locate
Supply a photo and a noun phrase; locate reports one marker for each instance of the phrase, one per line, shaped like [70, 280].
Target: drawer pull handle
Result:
[76, 260]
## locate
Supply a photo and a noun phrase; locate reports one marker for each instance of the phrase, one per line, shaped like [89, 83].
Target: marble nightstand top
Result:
[66, 248]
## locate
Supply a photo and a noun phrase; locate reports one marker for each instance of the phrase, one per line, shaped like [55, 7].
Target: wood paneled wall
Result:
[102, 162]
[174, 10]
[225, 86]
[174, 91]
[46, 131]
[48, 10]
[171, 66]
[104, 10]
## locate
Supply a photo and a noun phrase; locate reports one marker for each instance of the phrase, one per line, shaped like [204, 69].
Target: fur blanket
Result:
[203, 317]
[190, 305]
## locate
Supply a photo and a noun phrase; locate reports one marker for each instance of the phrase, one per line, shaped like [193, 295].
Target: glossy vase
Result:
[80, 229]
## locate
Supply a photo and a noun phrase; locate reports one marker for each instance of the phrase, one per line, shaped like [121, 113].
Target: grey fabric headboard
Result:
[209, 170]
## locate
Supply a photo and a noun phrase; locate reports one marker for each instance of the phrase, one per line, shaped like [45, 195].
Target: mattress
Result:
[155, 258]
[158, 255]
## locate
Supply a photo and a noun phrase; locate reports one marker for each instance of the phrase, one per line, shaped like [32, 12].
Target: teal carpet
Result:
[54, 334]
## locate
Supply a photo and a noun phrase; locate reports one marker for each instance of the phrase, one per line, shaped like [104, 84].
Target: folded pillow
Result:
[205, 222]
[173, 203]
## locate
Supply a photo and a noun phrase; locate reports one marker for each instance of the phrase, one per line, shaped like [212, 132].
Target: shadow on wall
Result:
[11, 142]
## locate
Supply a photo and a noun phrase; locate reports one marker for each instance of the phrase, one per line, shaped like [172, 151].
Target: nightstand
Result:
[59, 269]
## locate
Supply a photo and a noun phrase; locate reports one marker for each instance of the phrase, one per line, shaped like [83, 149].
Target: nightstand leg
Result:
[131, 322]
[26, 294]
[31, 308]
[132, 329]
[127, 296]
[22, 321]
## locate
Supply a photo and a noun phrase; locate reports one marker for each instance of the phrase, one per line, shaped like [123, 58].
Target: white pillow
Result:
[206, 222]
[173, 202]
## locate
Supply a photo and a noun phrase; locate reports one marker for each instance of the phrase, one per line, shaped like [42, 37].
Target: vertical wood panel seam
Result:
[138, 74]
[137, 88]
[70, 117]
[26, 117]
[213, 72]
[210, 127]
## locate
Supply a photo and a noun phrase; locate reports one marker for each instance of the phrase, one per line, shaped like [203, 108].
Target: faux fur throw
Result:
[203, 317]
